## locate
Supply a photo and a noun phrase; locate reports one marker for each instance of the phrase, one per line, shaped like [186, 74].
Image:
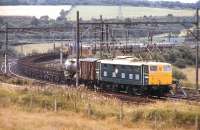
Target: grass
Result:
[190, 73]
[13, 80]
[91, 11]
[80, 109]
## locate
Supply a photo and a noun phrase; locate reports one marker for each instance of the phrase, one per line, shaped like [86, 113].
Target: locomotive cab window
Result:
[153, 68]
[167, 68]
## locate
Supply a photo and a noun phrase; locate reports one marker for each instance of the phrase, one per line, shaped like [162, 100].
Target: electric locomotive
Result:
[124, 74]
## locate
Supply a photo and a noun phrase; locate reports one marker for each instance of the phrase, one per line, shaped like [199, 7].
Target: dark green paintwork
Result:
[127, 69]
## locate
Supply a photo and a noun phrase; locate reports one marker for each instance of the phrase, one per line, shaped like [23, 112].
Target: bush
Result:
[180, 56]
[180, 63]
[137, 115]
[178, 75]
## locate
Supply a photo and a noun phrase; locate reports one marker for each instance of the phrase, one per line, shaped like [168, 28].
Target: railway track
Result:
[28, 67]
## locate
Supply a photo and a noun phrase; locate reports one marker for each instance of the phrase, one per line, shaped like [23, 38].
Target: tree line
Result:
[146, 3]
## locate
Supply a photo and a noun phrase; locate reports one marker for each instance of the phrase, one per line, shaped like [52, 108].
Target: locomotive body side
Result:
[117, 73]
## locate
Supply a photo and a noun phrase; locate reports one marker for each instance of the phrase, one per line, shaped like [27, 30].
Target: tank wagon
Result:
[124, 74]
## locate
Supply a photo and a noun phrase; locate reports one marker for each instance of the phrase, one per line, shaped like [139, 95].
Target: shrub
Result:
[137, 115]
[178, 75]
[179, 56]
[180, 63]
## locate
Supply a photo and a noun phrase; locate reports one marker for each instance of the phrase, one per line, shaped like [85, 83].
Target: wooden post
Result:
[54, 43]
[155, 122]
[121, 114]
[77, 49]
[31, 100]
[55, 105]
[197, 50]
[75, 102]
[196, 122]
[102, 36]
[89, 111]
[75, 105]
[127, 36]
[45, 105]
[61, 54]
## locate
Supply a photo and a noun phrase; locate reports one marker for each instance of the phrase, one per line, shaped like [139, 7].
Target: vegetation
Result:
[178, 74]
[190, 74]
[147, 3]
[110, 12]
[80, 104]
[179, 56]
[15, 81]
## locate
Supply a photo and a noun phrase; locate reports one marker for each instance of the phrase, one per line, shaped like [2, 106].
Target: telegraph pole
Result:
[102, 35]
[107, 33]
[61, 54]
[77, 48]
[197, 50]
[6, 49]
[54, 43]
[107, 37]
[127, 35]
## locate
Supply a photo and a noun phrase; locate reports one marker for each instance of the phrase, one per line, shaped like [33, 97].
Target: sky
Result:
[184, 1]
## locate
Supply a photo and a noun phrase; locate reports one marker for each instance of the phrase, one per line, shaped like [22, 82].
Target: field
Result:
[51, 11]
[34, 108]
[88, 12]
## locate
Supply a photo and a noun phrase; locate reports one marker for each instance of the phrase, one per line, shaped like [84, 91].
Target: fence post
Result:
[196, 122]
[31, 101]
[75, 102]
[155, 122]
[121, 114]
[55, 105]
[45, 105]
[89, 111]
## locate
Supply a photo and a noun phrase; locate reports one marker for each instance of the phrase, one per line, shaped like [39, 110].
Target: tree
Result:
[63, 13]
[178, 75]
[44, 19]
[34, 21]
[1, 21]
[61, 20]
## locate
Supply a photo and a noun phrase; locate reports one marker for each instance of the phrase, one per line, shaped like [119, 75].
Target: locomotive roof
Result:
[128, 62]
[89, 59]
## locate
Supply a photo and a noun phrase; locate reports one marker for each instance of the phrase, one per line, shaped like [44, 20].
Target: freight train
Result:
[123, 74]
